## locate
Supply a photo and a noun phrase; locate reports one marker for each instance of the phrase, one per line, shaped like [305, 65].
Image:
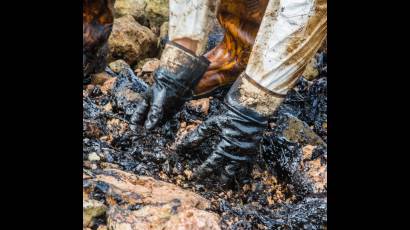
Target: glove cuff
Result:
[180, 68]
[251, 101]
[245, 112]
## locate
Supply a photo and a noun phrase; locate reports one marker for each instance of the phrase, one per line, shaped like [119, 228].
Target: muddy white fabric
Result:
[191, 19]
[290, 34]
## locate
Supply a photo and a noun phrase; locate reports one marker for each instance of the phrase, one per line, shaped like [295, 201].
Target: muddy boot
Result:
[98, 18]
[241, 20]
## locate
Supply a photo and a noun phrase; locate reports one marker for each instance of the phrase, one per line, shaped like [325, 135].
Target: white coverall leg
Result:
[191, 19]
[290, 34]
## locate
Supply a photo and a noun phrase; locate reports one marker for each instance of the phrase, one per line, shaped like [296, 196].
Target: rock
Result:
[107, 107]
[93, 157]
[105, 165]
[92, 209]
[200, 105]
[135, 8]
[85, 177]
[137, 71]
[143, 61]
[297, 131]
[195, 111]
[193, 219]
[116, 128]
[188, 173]
[146, 190]
[150, 13]
[118, 65]
[100, 78]
[88, 90]
[108, 85]
[145, 69]
[316, 66]
[127, 91]
[87, 164]
[94, 166]
[131, 41]
[184, 130]
[140, 202]
[311, 71]
[148, 217]
[91, 127]
[315, 169]
[300, 156]
[150, 65]
[102, 227]
[308, 100]
[163, 216]
[163, 34]
[157, 12]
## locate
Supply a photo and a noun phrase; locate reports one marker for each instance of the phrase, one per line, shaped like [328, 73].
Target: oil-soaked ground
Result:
[286, 189]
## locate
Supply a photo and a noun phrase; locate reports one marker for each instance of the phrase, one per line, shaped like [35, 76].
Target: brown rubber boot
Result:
[241, 20]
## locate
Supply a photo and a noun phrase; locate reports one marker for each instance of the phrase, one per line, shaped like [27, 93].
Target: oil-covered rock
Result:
[288, 184]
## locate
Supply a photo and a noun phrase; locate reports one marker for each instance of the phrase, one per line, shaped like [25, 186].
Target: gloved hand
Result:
[240, 128]
[178, 73]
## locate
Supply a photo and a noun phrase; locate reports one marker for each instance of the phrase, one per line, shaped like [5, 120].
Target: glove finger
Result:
[236, 171]
[140, 112]
[230, 170]
[141, 108]
[156, 111]
[214, 162]
[203, 131]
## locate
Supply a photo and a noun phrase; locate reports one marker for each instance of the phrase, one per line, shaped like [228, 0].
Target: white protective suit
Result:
[290, 34]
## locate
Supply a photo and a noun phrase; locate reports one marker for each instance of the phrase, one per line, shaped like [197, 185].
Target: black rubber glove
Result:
[178, 73]
[240, 130]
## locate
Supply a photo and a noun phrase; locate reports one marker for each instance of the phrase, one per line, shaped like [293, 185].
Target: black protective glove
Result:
[177, 75]
[240, 130]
